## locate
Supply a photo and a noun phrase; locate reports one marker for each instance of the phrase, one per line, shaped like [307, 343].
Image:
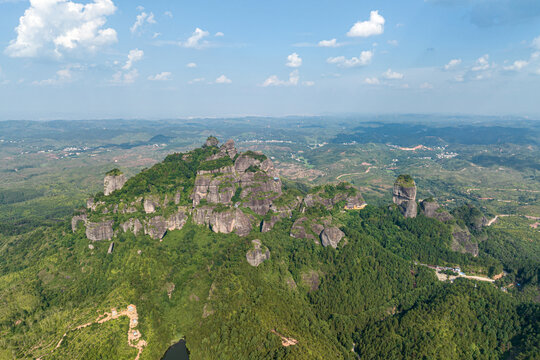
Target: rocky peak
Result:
[211, 141]
[404, 195]
[114, 180]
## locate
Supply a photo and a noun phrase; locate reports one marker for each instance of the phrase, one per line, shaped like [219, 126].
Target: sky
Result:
[104, 59]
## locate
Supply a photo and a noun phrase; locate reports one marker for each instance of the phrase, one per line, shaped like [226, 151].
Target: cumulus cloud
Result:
[54, 27]
[142, 18]
[191, 65]
[219, 34]
[363, 60]
[223, 80]
[452, 64]
[328, 43]
[517, 65]
[372, 81]
[294, 78]
[294, 60]
[392, 75]
[482, 63]
[164, 76]
[195, 40]
[133, 56]
[373, 26]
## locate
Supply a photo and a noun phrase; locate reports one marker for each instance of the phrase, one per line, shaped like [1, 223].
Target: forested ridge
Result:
[369, 298]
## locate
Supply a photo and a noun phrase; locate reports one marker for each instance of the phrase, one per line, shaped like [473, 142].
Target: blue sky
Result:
[168, 59]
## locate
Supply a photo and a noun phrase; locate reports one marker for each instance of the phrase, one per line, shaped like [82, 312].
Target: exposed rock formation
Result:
[462, 242]
[257, 256]
[150, 204]
[352, 200]
[156, 227]
[133, 225]
[211, 141]
[99, 231]
[331, 237]
[298, 229]
[113, 182]
[404, 196]
[223, 221]
[76, 220]
[431, 209]
[111, 248]
[268, 225]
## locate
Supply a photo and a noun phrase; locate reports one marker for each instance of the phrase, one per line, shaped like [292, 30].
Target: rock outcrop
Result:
[211, 141]
[462, 242]
[268, 225]
[78, 219]
[404, 196]
[431, 209]
[150, 204]
[331, 237]
[223, 221]
[133, 225]
[99, 231]
[113, 182]
[257, 255]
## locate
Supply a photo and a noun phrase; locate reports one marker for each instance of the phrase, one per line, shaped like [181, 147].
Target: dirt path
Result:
[444, 277]
[285, 341]
[134, 336]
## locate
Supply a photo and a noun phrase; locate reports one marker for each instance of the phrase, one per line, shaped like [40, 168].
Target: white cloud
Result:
[156, 35]
[482, 63]
[294, 78]
[308, 83]
[142, 18]
[363, 60]
[372, 81]
[197, 80]
[168, 14]
[62, 76]
[393, 42]
[426, 85]
[191, 65]
[164, 76]
[294, 60]
[517, 65]
[194, 41]
[536, 43]
[223, 80]
[329, 43]
[392, 75]
[53, 27]
[219, 34]
[452, 64]
[133, 56]
[373, 26]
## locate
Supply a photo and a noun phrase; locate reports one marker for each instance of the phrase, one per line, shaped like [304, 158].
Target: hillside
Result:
[214, 246]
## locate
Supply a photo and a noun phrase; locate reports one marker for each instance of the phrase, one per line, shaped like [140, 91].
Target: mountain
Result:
[213, 246]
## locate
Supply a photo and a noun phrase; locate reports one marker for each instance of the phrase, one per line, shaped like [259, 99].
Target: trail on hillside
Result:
[134, 336]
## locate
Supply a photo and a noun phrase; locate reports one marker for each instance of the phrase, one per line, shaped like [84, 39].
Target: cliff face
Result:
[112, 183]
[431, 209]
[223, 221]
[99, 231]
[404, 196]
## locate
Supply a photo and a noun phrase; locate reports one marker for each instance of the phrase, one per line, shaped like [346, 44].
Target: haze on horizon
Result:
[161, 59]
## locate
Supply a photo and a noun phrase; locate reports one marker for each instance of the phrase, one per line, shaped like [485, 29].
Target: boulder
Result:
[99, 231]
[331, 236]
[404, 196]
[112, 183]
[257, 256]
